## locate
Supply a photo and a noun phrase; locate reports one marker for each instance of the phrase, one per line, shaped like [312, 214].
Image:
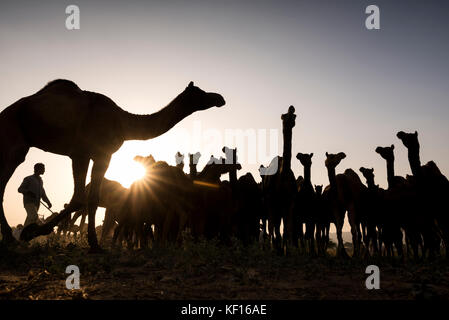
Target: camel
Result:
[398, 208]
[356, 206]
[323, 219]
[280, 186]
[248, 197]
[111, 197]
[432, 187]
[204, 204]
[250, 206]
[151, 201]
[63, 119]
[305, 206]
[335, 194]
[216, 208]
[371, 220]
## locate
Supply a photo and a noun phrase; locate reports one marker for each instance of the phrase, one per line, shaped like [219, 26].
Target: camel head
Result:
[305, 158]
[196, 99]
[368, 174]
[386, 152]
[288, 119]
[319, 189]
[333, 160]
[410, 140]
[145, 161]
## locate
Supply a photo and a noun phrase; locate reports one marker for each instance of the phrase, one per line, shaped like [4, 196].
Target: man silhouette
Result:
[33, 191]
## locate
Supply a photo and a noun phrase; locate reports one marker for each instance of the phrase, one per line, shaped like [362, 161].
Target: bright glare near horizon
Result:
[124, 169]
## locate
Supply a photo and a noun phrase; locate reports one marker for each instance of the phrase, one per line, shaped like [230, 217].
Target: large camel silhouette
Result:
[345, 193]
[63, 119]
[400, 208]
[432, 187]
[280, 186]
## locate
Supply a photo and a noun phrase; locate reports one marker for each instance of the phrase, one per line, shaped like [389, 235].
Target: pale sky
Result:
[352, 88]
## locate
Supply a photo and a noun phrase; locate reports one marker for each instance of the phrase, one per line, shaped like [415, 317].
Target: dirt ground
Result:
[206, 270]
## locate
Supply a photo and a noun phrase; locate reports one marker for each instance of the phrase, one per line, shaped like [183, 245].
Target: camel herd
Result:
[167, 202]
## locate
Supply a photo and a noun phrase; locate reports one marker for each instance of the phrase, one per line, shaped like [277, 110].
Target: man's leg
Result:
[32, 216]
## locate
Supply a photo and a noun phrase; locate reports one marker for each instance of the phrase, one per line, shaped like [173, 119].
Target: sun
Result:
[124, 169]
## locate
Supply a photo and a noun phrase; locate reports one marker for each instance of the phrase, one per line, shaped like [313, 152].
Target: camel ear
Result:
[392, 147]
[191, 84]
[372, 170]
[327, 154]
[311, 155]
[416, 133]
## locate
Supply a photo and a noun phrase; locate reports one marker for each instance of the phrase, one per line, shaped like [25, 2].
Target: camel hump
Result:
[432, 171]
[432, 167]
[247, 178]
[352, 175]
[60, 83]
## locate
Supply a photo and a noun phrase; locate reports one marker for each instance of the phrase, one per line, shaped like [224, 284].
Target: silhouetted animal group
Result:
[166, 203]
[63, 119]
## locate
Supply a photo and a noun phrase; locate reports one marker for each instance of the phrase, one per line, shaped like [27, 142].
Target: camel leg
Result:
[398, 244]
[340, 247]
[353, 224]
[108, 224]
[116, 234]
[318, 236]
[98, 170]
[301, 236]
[277, 232]
[8, 166]
[326, 235]
[310, 230]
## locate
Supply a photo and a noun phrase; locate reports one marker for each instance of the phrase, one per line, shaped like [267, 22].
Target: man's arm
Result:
[45, 198]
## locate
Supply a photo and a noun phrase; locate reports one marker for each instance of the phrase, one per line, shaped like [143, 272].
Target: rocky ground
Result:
[207, 270]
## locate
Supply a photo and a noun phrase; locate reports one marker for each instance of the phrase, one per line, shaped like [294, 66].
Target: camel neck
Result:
[332, 179]
[193, 172]
[390, 173]
[233, 172]
[287, 149]
[233, 177]
[307, 174]
[415, 162]
[144, 127]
